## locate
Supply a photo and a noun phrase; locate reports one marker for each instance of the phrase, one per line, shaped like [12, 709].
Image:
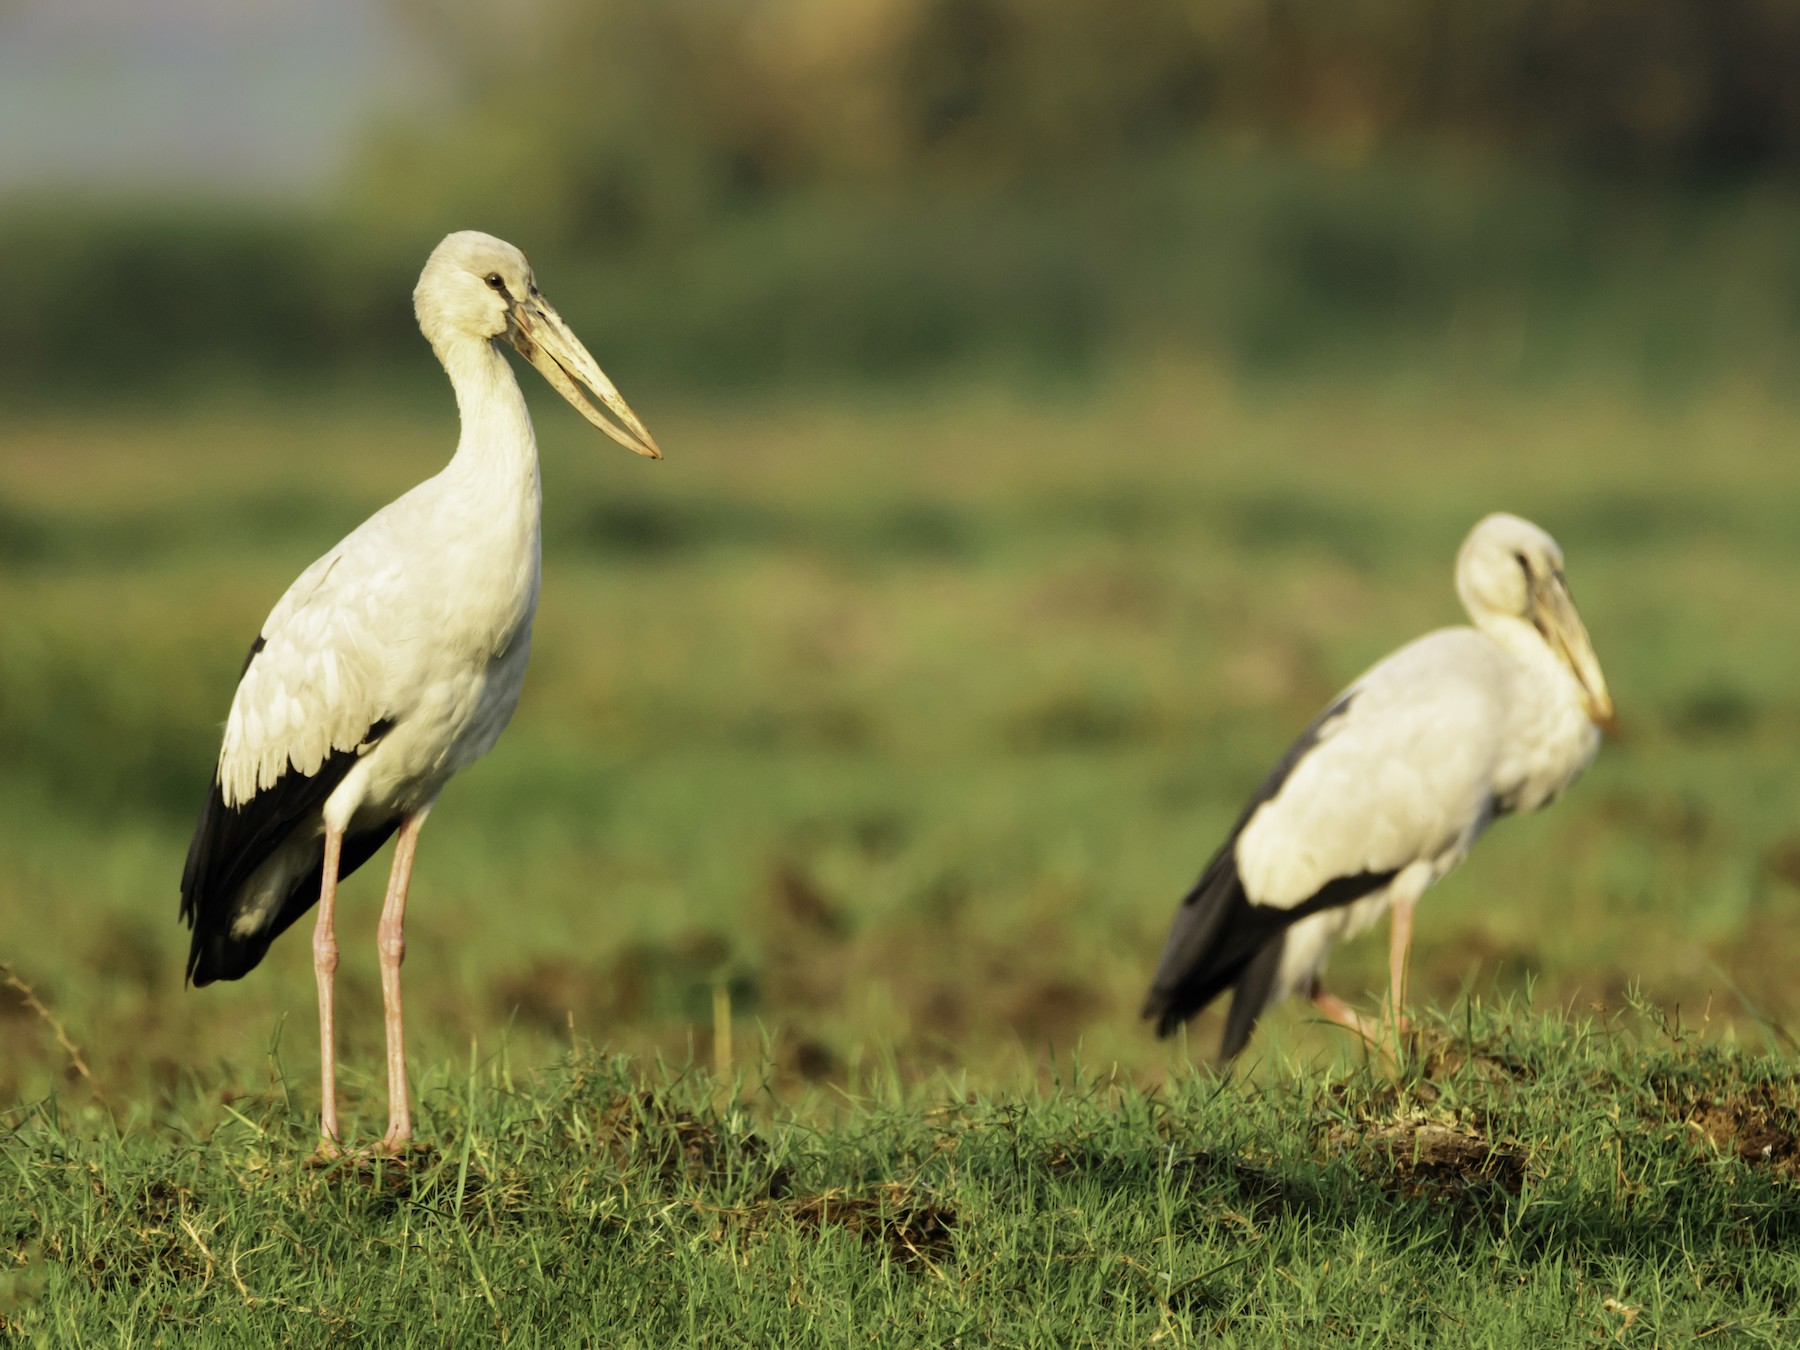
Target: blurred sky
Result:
[240, 97]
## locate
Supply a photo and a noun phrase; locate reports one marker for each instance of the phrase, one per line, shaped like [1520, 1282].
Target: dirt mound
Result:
[913, 1230]
[1429, 1159]
[1760, 1125]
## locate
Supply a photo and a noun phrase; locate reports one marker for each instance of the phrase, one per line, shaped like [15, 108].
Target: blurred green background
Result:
[1062, 401]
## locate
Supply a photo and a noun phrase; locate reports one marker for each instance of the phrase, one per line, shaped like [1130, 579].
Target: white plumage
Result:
[1391, 787]
[395, 660]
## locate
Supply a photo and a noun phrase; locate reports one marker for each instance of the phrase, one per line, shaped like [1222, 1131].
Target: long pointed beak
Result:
[543, 339]
[1568, 638]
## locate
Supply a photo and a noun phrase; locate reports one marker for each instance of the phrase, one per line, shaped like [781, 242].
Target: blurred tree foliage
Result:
[751, 190]
[636, 119]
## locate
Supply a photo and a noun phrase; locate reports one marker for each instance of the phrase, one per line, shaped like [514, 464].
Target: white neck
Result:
[488, 497]
[497, 444]
[1551, 738]
[1518, 637]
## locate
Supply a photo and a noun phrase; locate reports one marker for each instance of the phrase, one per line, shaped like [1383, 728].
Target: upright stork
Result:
[1389, 788]
[393, 662]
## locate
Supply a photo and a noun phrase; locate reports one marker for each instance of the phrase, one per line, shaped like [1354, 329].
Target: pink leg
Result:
[392, 945]
[1399, 949]
[1343, 1014]
[325, 959]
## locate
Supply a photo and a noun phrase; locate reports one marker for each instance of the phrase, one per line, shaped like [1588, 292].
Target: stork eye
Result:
[1524, 564]
[493, 280]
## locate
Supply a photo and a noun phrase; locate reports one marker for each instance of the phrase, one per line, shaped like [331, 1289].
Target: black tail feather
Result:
[1216, 933]
[1251, 996]
[1221, 938]
[218, 954]
[231, 842]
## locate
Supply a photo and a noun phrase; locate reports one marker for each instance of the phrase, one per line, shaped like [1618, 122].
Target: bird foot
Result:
[1390, 1038]
[400, 1146]
[1340, 1012]
[367, 1159]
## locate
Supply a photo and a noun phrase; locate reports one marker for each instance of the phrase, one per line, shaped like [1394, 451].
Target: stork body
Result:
[1390, 788]
[393, 662]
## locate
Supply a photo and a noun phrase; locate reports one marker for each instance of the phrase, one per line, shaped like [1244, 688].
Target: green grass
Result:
[1531, 1182]
[901, 721]
[908, 719]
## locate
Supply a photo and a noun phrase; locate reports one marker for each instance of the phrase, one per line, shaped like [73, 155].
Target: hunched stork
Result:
[393, 662]
[1388, 790]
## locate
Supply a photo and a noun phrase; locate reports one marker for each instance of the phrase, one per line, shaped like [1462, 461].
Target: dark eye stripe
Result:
[494, 280]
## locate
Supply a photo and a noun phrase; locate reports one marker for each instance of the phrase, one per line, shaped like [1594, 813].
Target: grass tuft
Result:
[1525, 1180]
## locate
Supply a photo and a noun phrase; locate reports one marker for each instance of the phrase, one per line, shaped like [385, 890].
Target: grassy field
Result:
[902, 722]
[1536, 1182]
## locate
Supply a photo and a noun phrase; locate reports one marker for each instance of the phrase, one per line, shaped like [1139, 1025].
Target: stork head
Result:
[475, 286]
[1510, 572]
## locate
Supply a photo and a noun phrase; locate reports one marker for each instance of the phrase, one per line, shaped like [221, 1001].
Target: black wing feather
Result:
[231, 842]
[1251, 996]
[1221, 938]
[223, 955]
